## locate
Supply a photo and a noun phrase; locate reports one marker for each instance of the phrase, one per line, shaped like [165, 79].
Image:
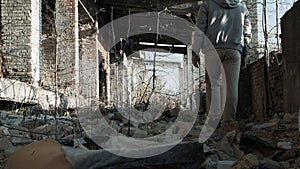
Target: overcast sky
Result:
[284, 5]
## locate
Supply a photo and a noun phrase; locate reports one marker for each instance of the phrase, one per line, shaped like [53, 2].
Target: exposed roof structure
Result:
[114, 9]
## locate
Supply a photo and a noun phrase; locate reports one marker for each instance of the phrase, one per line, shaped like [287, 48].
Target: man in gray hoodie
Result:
[227, 27]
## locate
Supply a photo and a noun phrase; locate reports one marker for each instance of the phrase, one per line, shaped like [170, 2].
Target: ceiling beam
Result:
[150, 4]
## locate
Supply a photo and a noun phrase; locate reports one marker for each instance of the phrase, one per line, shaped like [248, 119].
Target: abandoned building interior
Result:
[69, 67]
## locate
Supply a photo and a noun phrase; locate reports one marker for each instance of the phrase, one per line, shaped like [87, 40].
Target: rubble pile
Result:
[24, 126]
[273, 144]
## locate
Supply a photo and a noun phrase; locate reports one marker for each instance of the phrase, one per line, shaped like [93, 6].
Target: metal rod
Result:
[277, 25]
[87, 11]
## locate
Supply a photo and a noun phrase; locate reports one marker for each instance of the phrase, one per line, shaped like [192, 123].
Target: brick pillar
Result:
[21, 39]
[252, 7]
[66, 42]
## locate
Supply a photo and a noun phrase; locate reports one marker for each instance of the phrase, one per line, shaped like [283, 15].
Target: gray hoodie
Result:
[225, 23]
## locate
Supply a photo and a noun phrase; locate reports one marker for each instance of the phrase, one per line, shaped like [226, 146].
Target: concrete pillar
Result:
[35, 41]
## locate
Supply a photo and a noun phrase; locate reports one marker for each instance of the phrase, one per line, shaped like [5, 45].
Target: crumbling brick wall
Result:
[259, 82]
[22, 49]
[15, 18]
[290, 26]
[258, 88]
[252, 7]
[245, 95]
[59, 44]
[276, 83]
[49, 62]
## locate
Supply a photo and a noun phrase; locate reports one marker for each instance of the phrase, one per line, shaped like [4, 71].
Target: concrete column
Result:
[35, 41]
[76, 32]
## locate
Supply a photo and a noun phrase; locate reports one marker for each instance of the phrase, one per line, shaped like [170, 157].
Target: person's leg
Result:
[231, 64]
[213, 84]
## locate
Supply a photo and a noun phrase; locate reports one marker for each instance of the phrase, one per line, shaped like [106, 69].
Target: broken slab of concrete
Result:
[48, 154]
[228, 148]
[225, 164]
[247, 162]
[6, 146]
[184, 155]
[13, 90]
[19, 135]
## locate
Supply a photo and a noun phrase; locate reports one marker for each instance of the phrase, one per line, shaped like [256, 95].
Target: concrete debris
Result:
[290, 117]
[284, 145]
[14, 119]
[44, 130]
[3, 115]
[246, 162]
[6, 147]
[297, 163]
[140, 133]
[185, 155]
[270, 144]
[115, 126]
[272, 123]
[26, 93]
[4, 131]
[284, 164]
[19, 135]
[268, 163]
[228, 148]
[225, 164]
[211, 162]
[206, 148]
[286, 155]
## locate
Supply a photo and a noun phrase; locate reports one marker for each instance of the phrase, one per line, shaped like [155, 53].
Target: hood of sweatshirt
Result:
[228, 3]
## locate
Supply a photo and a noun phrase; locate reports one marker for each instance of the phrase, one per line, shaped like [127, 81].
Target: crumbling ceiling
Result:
[114, 9]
